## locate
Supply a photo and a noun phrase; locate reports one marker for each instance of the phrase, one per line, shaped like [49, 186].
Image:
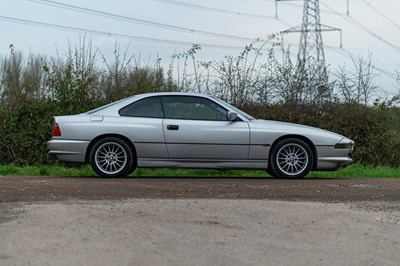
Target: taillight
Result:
[56, 130]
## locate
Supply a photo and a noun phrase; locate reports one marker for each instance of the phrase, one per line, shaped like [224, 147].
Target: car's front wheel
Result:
[111, 157]
[291, 158]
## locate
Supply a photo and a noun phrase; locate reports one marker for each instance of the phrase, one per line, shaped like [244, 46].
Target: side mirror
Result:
[231, 116]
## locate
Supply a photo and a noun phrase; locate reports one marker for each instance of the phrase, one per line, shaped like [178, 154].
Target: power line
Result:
[215, 9]
[347, 53]
[140, 38]
[389, 7]
[276, 6]
[380, 13]
[364, 28]
[223, 11]
[289, 2]
[135, 20]
[111, 34]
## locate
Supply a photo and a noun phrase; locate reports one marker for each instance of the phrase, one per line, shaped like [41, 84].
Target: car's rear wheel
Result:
[112, 157]
[270, 172]
[291, 158]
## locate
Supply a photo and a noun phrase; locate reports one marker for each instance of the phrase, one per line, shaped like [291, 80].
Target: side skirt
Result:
[197, 163]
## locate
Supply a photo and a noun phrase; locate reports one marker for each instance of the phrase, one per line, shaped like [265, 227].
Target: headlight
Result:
[345, 145]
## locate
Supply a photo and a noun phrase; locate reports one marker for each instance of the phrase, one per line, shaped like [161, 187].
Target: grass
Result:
[360, 171]
[352, 171]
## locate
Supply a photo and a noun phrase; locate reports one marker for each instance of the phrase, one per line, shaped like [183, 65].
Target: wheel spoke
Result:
[111, 157]
[102, 152]
[292, 159]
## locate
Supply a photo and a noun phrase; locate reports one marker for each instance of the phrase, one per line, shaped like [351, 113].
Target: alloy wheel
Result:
[111, 158]
[292, 159]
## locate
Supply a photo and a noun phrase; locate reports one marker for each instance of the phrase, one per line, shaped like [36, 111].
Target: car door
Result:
[198, 128]
[143, 124]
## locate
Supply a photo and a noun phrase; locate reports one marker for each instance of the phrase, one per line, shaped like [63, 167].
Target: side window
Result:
[148, 107]
[193, 108]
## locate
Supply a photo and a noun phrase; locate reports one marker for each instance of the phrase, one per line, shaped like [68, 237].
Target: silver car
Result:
[192, 131]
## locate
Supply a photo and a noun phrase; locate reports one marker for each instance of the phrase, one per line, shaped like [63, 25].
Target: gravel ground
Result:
[199, 232]
[199, 221]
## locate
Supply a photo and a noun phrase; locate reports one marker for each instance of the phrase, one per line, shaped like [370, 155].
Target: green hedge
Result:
[24, 130]
[375, 130]
[26, 126]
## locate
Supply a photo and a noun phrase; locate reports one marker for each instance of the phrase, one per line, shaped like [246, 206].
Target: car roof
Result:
[143, 95]
[115, 106]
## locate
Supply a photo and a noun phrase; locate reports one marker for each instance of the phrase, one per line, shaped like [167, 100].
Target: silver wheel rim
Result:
[111, 158]
[292, 159]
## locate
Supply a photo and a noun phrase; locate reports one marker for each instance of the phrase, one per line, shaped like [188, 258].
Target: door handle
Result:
[173, 127]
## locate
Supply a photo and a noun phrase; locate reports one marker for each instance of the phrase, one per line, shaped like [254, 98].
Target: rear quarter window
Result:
[148, 107]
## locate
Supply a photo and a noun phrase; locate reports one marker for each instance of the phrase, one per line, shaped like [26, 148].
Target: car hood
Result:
[316, 135]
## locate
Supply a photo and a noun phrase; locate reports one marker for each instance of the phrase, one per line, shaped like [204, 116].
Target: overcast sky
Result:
[162, 27]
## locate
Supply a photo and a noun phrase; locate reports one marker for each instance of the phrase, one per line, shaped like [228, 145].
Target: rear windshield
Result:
[105, 106]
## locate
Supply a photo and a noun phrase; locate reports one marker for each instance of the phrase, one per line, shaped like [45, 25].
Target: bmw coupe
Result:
[192, 131]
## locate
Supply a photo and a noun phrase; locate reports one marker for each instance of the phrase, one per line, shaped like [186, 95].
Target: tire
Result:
[112, 157]
[291, 158]
[270, 172]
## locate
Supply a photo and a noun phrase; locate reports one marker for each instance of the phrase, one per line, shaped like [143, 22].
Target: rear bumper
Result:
[68, 150]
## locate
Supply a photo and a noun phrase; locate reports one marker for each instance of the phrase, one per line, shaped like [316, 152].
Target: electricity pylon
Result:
[311, 78]
[276, 6]
[311, 48]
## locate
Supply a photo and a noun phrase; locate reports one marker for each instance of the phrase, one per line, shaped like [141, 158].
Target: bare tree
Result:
[242, 79]
[21, 78]
[74, 82]
[357, 85]
[114, 83]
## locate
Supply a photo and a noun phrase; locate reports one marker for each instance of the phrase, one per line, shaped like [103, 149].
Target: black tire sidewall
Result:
[273, 164]
[125, 171]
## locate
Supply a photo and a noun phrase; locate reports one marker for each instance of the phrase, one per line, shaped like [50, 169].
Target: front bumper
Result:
[333, 157]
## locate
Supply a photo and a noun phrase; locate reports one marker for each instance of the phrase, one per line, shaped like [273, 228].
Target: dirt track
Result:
[199, 221]
[38, 189]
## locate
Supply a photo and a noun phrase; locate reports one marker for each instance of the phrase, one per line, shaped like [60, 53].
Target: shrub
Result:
[25, 128]
[30, 96]
[375, 130]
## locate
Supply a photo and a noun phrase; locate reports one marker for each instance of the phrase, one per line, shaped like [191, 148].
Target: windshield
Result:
[240, 112]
